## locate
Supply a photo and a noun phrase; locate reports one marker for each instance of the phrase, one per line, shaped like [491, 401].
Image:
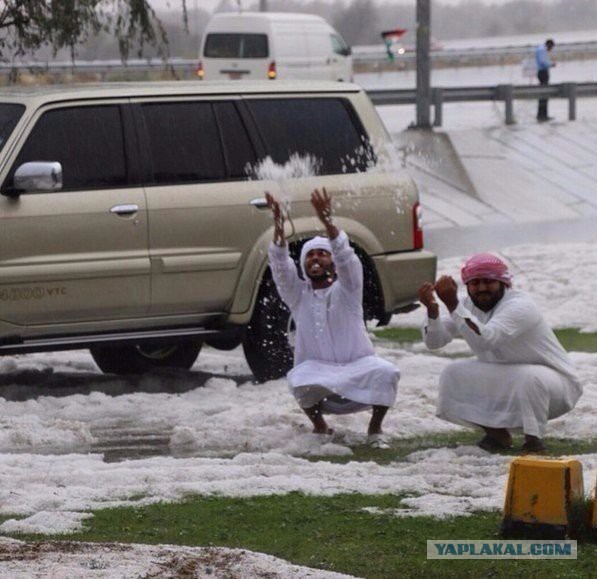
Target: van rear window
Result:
[230, 45]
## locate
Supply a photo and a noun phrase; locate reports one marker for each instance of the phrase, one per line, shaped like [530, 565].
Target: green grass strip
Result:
[400, 448]
[332, 533]
[572, 339]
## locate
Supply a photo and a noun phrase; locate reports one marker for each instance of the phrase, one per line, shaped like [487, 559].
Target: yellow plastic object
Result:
[540, 490]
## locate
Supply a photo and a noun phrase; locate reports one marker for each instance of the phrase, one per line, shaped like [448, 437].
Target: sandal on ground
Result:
[378, 441]
[533, 447]
[491, 444]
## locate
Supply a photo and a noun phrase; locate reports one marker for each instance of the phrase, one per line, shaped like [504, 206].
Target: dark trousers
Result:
[543, 76]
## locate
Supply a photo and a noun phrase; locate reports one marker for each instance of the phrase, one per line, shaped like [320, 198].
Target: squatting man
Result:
[522, 376]
[335, 367]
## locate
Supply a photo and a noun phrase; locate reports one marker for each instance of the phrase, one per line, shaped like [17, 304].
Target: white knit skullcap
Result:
[314, 243]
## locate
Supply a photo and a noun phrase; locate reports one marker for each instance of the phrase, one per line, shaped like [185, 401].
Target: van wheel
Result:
[266, 345]
[141, 358]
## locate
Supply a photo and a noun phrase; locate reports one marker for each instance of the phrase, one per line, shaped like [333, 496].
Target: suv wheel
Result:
[140, 358]
[266, 345]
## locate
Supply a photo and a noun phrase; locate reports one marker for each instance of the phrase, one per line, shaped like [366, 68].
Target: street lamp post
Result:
[423, 64]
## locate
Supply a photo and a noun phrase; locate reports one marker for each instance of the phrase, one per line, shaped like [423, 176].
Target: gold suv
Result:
[134, 223]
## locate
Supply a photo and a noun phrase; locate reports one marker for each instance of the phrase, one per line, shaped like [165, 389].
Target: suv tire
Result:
[141, 358]
[266, 344]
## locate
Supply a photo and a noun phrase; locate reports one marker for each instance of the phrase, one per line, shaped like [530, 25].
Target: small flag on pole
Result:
[391, 36]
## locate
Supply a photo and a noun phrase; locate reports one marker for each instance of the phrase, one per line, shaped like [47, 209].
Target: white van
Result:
[262, 45]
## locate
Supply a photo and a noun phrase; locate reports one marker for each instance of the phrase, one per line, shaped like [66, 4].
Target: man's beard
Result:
[487, 306]
[322, 274]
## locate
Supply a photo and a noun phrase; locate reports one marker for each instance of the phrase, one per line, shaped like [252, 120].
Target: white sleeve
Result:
[513, 319]
[439, 332]
[285, 275]
[348, 266]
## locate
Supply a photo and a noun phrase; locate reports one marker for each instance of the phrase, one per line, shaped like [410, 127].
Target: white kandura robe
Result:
[333, 355]
[522, 376]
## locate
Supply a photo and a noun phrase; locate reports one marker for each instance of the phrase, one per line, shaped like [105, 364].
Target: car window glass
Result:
[236, 46]
[9, 117]
[339, 46]
[184, 142]
[238, 150]
[87, 141]
[321, 127]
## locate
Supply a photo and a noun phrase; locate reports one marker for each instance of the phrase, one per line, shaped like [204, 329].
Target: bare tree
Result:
[27, 25]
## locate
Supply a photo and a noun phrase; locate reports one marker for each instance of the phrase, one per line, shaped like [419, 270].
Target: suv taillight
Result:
[200, 72]
[271, 70]
[417, 226]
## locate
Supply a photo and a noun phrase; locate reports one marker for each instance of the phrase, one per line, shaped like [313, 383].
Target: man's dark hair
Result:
[550, 43]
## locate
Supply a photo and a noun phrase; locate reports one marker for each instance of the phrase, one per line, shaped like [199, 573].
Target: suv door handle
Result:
[259, 203]
[124, 210]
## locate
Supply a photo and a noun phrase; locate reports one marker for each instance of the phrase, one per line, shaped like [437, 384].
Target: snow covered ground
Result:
[252, 439]
[111, 560]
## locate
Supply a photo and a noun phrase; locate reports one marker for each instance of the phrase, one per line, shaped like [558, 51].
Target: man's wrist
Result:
[433, 312]
[452, 305]
[331, 230]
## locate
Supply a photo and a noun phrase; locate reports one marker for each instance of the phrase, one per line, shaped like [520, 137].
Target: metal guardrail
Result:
[185, 68]
[180, 67]
[373, 53]
[506, 93]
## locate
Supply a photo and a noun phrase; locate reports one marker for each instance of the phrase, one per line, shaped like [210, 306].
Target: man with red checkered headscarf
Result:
[521, 377]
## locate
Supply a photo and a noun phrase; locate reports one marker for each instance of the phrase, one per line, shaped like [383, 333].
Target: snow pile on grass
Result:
[93, 560]
[61, 486]
[253, 439]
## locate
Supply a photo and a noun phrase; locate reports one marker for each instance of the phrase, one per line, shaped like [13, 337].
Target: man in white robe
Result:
[335, 367]
[522, 376]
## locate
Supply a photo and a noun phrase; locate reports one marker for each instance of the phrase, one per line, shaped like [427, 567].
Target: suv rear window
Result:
[236, 46]
[324, 128]
[9, 117]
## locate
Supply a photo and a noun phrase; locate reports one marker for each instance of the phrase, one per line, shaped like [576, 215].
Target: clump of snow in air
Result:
[297, 167]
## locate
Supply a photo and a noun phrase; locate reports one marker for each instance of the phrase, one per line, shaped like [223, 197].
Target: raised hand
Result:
[322, 203]
[274, 205]
[427, 298]
[447, 291]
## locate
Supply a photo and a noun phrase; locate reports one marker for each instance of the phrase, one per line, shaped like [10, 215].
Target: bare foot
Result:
[328, 431]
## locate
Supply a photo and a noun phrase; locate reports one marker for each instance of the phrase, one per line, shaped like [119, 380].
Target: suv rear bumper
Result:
[402, 274]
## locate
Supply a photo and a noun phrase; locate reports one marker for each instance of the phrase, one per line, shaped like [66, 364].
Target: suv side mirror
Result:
[348, 51]
[38, 176]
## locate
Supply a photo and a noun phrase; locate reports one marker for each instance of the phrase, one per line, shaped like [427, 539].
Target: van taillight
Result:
[200, 72]
[417, 226]
[271, 70]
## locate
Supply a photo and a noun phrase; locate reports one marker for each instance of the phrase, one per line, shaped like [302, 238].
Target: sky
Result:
[209, 5]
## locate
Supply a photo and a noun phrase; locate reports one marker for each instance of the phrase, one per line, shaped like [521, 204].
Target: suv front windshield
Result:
[9, 117]
[236, 46]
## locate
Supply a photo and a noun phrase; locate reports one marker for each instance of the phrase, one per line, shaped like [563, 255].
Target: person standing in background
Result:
[544, 63]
